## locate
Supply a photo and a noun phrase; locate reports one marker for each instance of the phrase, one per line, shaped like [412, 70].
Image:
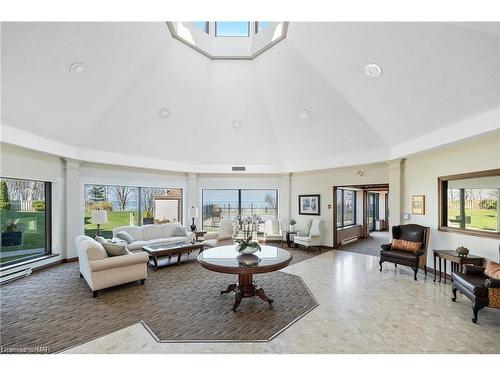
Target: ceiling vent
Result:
[238, 169]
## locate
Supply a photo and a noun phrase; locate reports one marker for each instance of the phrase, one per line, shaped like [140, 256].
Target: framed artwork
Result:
[309, 204]
[418, 204]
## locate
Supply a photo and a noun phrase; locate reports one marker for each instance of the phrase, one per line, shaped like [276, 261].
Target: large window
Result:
[131, 205]
[25, 217]
[469, 203]
[227, 204]
[346, 208]
[232, 28]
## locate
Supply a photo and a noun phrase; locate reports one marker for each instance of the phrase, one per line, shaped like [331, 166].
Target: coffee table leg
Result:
[155, 261]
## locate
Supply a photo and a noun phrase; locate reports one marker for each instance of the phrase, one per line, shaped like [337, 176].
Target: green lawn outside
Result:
[32, 239]
[480, 219]
[115, 219]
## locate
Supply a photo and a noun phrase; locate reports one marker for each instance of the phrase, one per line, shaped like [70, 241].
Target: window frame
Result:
[48, 226]
[231, 36]
[207, 26]
[443, 203]
[342, 224]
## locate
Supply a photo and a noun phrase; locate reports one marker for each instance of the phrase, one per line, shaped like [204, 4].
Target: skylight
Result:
[202, 25]
[232, 28]
[241, 40]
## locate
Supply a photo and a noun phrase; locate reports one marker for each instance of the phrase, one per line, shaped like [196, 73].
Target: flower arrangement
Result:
[245, 227]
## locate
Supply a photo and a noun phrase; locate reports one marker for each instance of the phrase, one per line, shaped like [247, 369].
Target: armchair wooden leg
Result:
[415, 270]
[94, 294]
[454, 291]
[380, 264]
[395, 265]
[142, 281]
[475, 310]
[81, 275]
[425, 270]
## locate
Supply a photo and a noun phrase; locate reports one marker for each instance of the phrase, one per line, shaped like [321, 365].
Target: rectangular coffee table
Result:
[170, 249]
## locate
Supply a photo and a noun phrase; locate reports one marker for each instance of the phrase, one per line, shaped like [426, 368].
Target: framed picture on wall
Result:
[418, 204]
[309, 204]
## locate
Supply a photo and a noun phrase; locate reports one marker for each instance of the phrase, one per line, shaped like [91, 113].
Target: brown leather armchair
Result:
[408, 232]
[476, 286]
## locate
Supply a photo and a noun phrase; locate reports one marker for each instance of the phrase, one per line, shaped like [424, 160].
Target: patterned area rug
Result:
[54, 309]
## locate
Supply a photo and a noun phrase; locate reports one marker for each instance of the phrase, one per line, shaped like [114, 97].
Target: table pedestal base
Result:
[244, 289]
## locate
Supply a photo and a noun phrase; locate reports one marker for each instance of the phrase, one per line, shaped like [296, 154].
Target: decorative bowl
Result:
[248, 259]
[246, 249]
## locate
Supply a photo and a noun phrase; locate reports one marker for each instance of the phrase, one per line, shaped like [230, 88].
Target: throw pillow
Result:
[408, 246]
[179, 232]
[101, 239]
[492, 270]
[114, 250]
[122, 235]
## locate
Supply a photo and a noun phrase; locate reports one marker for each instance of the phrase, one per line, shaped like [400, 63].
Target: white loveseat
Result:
[101, 271]
[151, 234]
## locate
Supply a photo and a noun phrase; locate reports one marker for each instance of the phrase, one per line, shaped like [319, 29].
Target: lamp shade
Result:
[99, 217]
[193, 212]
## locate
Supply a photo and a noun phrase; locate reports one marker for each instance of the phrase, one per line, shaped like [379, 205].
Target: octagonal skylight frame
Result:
[227, 47]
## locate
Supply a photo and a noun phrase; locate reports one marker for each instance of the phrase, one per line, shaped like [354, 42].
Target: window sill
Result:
[28, 261]
[469, 232]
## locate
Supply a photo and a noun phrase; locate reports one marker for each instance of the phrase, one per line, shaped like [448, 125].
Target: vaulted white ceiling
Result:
[436, 77]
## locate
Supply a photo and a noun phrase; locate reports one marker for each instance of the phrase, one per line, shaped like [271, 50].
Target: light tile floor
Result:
[361, 310]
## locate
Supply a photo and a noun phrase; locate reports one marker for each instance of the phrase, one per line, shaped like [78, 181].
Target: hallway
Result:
[368, 246]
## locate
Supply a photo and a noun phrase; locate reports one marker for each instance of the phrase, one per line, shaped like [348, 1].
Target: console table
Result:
[457, 262]
[289, 238]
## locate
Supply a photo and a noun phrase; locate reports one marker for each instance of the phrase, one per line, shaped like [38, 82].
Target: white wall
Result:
[420, 177]
[322, 182]
[18, 162]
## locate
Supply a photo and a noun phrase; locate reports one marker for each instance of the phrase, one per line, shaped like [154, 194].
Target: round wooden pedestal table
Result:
[225, 259]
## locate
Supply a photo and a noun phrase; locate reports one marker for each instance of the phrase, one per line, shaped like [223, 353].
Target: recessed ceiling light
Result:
[236, 124]
[78, 68]
[164, 112]
[304, 114]
[373, 70]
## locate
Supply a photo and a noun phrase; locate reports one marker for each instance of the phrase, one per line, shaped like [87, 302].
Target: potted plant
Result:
[148, 218]
[292, 225]
[12, 235]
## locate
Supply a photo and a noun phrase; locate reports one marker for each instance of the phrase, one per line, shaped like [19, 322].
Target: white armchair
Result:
[312, 237]
[226, 232]
[101, 271]
[272, 231]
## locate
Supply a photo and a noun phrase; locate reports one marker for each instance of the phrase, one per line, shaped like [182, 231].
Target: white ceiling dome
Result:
[140, 97]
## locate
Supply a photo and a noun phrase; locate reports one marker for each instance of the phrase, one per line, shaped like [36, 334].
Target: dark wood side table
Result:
[457, 262]
[288, 239]
[198, 234]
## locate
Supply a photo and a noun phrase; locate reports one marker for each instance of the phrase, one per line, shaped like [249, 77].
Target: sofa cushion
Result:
[408, 246]
[115, 249]
[151, 232]
[179, 231]
[176, 239]
[125, 236]
[492, 270]
[473, 283]
[168, 229]
[397, 254]
[137, 245]
[135, 232]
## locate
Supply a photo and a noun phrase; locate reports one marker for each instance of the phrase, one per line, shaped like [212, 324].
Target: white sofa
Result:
[312, 237]
[151, 234]
[101, 271]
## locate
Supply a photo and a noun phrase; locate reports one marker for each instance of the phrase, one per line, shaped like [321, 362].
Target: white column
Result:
[284, 200]
[396, 191]
[73, 206]
[192, 199]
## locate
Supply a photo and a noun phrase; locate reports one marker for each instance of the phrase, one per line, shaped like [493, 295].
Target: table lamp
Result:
[193, 212]
[99, 217]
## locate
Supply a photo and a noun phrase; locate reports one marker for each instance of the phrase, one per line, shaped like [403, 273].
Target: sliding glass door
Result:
[25, 218]
[228, 204]
[373, 210]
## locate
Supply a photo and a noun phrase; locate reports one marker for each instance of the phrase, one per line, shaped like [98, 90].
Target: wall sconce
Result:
[361, 173]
